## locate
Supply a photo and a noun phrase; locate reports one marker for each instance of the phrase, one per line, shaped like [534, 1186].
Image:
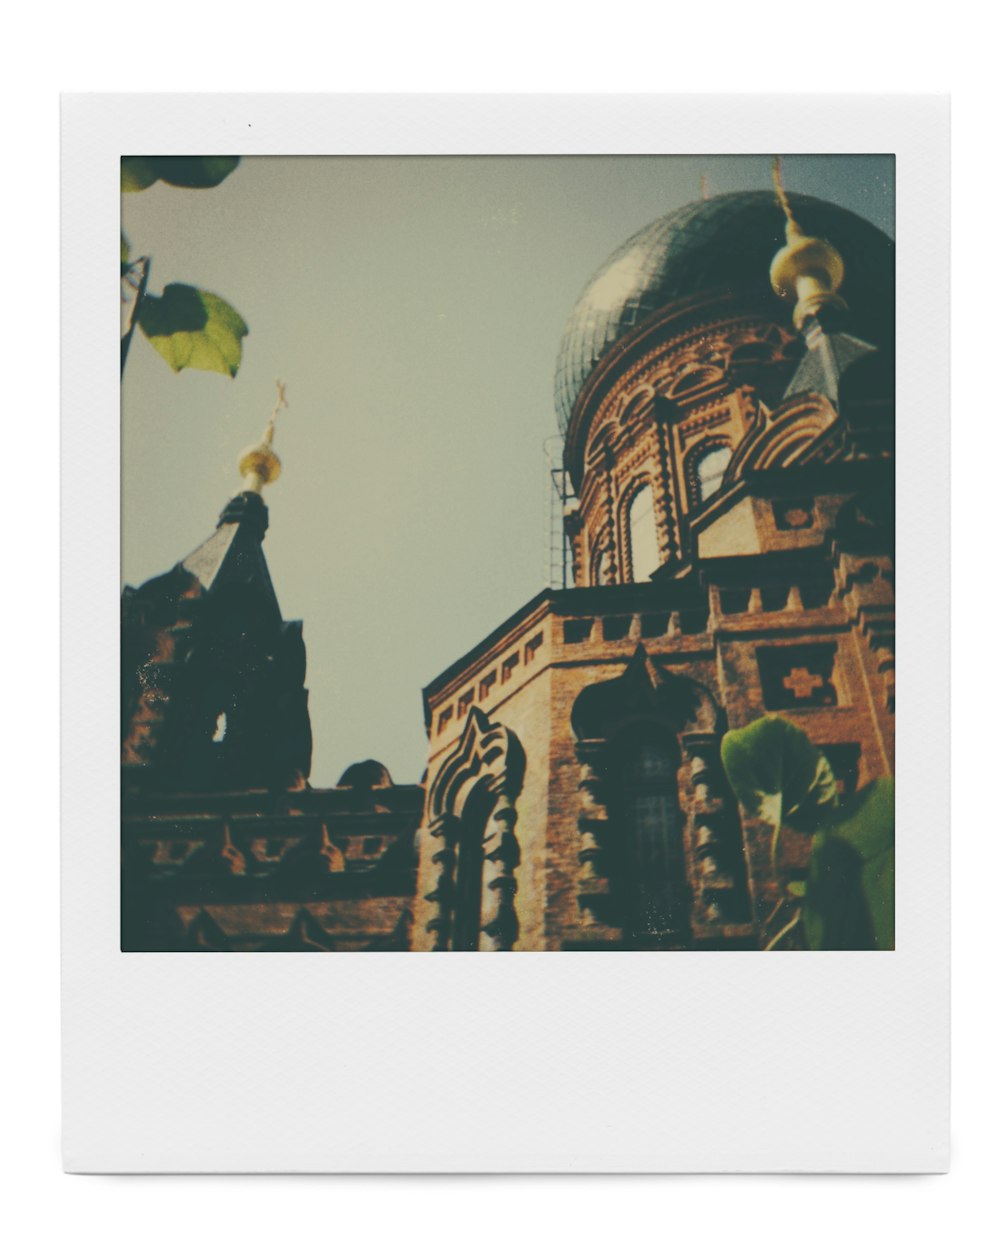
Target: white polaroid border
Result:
[540, 1062]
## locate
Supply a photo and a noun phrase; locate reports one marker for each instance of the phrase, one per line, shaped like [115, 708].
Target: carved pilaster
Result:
[487, 755]
[593, 882]
[865, 585]
[666, 501]
[573, 525]
[714, 849]
[501, 857]
[614, 563]
[445, 830]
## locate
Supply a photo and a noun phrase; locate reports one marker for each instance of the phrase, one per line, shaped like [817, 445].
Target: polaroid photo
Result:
[497, 553]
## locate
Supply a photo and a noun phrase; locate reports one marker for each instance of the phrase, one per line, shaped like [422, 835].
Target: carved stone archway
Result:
[647, 693]
[485, 771]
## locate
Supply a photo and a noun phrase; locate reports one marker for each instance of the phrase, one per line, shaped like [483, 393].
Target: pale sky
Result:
[414, 306]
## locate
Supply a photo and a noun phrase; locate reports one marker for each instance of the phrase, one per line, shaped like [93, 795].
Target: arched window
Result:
[644, 553]
[709, 468]
[655, 898]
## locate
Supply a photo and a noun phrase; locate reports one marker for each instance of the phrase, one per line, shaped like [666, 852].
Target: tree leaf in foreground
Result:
[779, 776]
[140, 172]
[193, 329]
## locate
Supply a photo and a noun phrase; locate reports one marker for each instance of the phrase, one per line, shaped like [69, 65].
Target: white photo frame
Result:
[581, 1062]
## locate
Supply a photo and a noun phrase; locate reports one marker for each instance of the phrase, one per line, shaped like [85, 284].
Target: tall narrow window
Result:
[643, 547]
[469, 881]
[709, 470]
[656, 896]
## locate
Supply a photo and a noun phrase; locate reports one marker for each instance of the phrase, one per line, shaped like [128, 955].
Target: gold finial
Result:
[258, 464]
[807, 270]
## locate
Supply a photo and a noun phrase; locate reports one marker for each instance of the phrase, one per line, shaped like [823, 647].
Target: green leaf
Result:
[195, 171]
[779, 776]
[868, 824]
[835, 914]
[193, 329]
[139, 172]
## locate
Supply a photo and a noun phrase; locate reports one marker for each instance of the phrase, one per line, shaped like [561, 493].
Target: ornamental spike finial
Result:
[258, 464]
[792, 227]
[807, 271]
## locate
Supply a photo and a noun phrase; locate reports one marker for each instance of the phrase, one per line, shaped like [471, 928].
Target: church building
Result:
[725, 393]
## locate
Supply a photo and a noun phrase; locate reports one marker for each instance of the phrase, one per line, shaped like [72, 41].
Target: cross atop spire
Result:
[792, 226]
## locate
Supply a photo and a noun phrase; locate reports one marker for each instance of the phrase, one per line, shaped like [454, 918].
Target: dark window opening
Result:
[469, 878]
[654, 894]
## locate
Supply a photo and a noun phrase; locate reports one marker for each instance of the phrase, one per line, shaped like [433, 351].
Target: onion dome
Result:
[726, 243]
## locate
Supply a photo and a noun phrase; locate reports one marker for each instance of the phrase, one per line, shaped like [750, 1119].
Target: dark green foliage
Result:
[190, 328]
[848, 897]
[140, 172]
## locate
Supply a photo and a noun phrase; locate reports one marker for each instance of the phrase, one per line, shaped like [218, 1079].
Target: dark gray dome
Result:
[723, 242]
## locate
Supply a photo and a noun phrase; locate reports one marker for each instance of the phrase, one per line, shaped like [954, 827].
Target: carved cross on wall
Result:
[802, 683]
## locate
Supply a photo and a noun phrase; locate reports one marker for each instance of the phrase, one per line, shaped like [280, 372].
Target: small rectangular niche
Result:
[532, 647]
[465, 701]
[774, 598]
[578, 630]
[444, 717]
[616, 628]
[844, 759]
[693, 620]
[655, 624]
[816, 594]
[508, 666]
[487, 684]
[798, 677]
[734, 599]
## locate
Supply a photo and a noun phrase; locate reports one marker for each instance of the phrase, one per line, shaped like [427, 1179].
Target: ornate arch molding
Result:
[488, 763]
[648, 693]
[783, 437]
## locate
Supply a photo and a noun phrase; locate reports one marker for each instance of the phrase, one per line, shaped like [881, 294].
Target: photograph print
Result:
[507, 553]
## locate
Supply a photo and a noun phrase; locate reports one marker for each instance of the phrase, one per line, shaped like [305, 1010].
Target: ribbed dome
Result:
[723, 242]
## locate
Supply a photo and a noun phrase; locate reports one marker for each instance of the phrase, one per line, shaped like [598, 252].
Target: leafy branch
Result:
[847, 899]
[189, 327]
